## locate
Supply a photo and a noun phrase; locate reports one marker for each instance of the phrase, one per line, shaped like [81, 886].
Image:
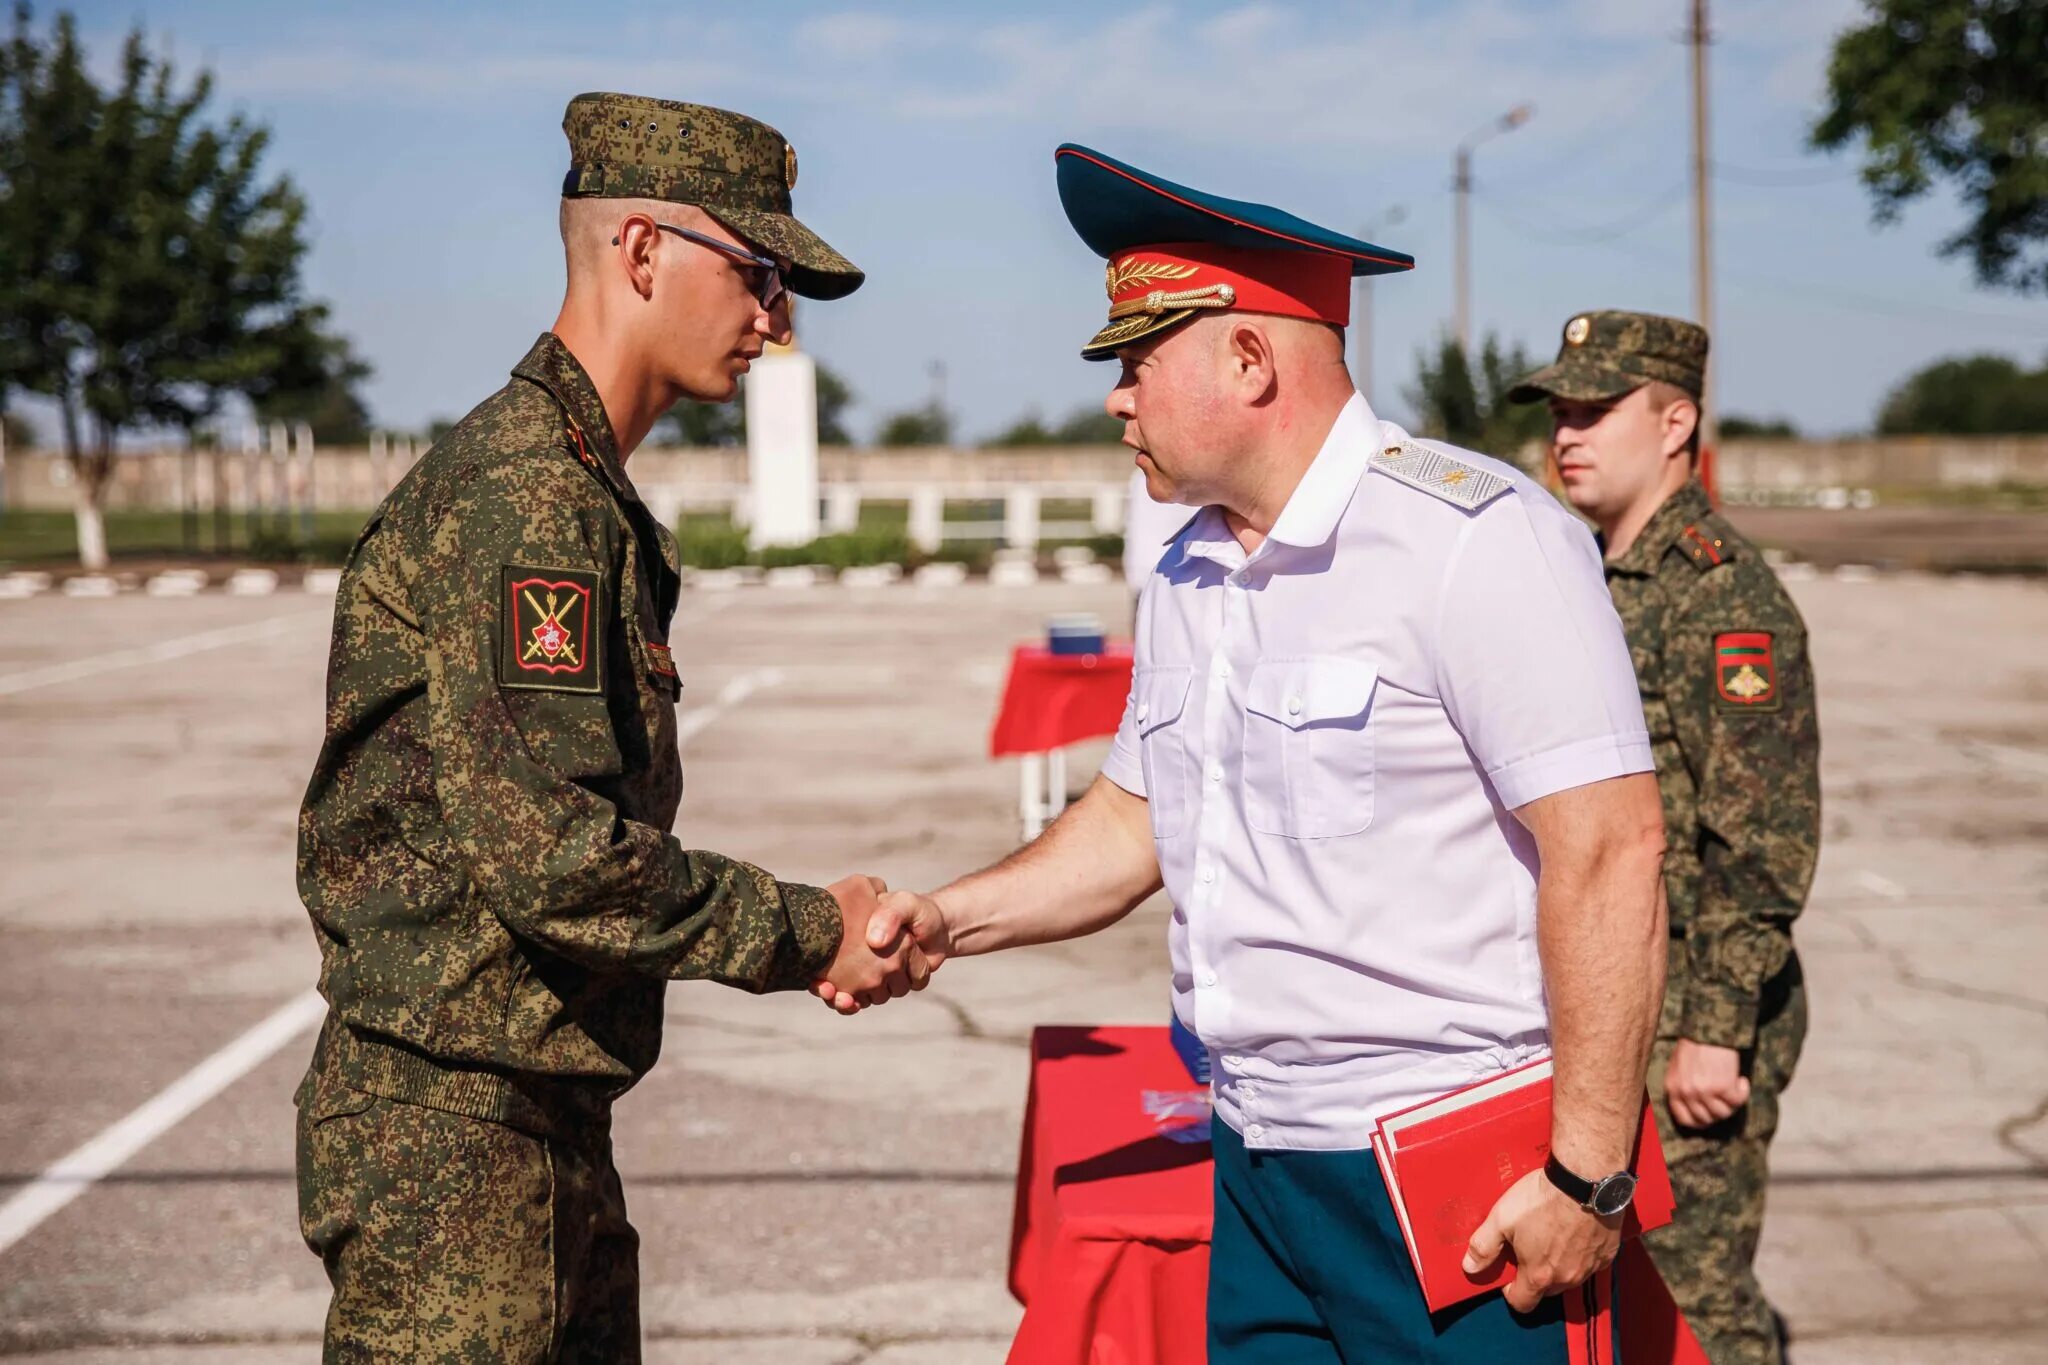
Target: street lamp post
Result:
[1361, 327]
[1461, 182]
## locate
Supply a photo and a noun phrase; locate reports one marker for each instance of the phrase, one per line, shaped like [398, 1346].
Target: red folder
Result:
[1448, 1160]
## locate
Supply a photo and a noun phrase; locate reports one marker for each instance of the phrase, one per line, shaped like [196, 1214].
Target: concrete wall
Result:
[358, 478]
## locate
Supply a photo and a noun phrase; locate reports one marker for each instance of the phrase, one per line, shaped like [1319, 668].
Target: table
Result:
[1109, 1247]
[1050, 701]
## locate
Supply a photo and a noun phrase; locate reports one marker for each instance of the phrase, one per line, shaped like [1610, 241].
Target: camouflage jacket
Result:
[484, 845]
[1720, 654]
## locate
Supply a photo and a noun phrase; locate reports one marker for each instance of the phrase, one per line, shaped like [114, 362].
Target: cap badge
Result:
[788, 166]
[1577, 330]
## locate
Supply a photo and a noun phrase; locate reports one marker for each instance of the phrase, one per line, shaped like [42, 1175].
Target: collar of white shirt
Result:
[1314, 508]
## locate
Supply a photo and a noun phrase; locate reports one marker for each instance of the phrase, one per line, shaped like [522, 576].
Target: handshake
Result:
[890, 943]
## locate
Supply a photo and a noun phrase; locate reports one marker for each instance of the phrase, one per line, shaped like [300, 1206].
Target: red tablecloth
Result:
[1109, 1250]
[1053, 700]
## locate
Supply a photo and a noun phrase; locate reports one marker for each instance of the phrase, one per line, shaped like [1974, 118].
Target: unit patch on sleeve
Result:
[551, 629]
[1745, 674]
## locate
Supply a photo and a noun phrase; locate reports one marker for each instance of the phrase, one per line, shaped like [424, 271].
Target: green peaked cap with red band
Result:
[1174, 252]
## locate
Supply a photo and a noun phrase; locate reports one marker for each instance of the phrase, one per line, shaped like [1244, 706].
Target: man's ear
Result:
[638, 241]
[1681, 419]
[1249, 355]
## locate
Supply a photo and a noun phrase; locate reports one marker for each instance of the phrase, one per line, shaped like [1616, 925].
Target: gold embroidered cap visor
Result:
[737, 169]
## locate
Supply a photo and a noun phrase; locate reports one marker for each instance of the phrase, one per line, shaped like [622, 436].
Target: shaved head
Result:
[588, 225]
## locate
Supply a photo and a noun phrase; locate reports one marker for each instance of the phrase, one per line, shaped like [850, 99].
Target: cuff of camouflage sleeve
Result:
[1719, 1015]
[814, 927]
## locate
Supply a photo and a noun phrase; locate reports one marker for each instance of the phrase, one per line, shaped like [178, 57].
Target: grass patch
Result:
[51, 537]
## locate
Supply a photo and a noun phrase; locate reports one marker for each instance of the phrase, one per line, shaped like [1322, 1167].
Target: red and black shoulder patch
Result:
[551, 629]
[1745, 671]
[1702, 545]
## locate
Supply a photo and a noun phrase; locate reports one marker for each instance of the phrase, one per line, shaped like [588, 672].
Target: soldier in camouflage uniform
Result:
[1727, 685]
[484, 847]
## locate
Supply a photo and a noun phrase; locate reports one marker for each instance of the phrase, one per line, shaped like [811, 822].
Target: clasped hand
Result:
[890, 943]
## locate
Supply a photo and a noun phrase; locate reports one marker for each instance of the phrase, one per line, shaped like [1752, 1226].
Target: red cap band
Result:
[1295, 284]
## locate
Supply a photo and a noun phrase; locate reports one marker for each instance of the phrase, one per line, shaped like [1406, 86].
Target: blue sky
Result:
[427, 137]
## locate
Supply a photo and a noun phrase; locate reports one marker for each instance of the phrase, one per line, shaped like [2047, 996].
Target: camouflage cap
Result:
[1609, 353]
[737, 169]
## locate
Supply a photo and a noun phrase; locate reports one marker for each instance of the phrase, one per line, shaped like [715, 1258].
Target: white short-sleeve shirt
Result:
[1331, 733]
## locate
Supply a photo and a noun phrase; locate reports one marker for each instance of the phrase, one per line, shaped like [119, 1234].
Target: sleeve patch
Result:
[1745, 671]
[550, 629]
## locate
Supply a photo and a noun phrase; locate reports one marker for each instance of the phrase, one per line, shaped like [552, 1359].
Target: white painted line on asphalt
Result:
[733, 693]
[161, 652]
[79, 1170]
[1879, 884]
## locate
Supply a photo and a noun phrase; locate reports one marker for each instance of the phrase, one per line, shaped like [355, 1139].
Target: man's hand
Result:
[1556, 1244]
[907, 925]
[860, 975]
[1704, 1084]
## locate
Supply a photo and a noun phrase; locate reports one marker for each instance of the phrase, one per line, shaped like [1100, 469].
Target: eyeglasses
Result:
[769, 282]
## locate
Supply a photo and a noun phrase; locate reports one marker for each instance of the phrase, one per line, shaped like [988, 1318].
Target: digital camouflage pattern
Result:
[1608, 353]
[452, 1239]
[737, 169]
[484, 851]
[1721, 658]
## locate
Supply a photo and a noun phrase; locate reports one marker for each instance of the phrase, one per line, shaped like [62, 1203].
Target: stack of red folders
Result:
[1448, 1160]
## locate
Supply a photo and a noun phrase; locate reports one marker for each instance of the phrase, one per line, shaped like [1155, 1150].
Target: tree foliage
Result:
[1737, 427]
[1088, 425]
[1977, 395]
[1453, 403]
[930, 425]
[690, 423]
[152, 270]
[1954, 91]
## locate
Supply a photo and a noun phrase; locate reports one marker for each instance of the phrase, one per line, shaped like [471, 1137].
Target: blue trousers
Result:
[1307, 1267]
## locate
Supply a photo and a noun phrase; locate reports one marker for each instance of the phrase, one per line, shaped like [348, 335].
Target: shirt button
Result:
[1293, 706]
[1144, 710]
[1223, 668]
[1232, 1060]
[1240, 578]
[1216, 772]
[1257, 1130]
[1208, 978]
[1207, 874]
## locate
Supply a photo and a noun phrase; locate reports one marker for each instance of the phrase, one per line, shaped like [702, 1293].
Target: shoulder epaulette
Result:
[1432, 471]
[1703, 545]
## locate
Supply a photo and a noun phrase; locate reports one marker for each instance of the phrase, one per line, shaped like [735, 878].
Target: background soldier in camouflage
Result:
[1720, 652]
[484, 846]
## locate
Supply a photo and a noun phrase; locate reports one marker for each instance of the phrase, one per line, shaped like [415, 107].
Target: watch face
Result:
[1613, 1194]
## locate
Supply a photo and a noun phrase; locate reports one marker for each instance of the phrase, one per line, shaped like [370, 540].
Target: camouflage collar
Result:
[551, 365]
[1684, 508]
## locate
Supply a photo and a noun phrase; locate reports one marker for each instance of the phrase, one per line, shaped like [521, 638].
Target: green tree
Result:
[1968, 396]
[1955, 91]
[313, 378]
[151, 272]
[930, 425]
[1736, 427]
[1084, 426]
[690, 423]
[1455, 404]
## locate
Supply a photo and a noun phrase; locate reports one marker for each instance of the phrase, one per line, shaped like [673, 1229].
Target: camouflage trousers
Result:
[1720, 1175]
[452, 1239]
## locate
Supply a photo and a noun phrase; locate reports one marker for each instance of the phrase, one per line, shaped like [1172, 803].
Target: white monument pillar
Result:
[782, 449]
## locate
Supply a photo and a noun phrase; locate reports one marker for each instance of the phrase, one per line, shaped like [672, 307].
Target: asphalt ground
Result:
[811, 1189]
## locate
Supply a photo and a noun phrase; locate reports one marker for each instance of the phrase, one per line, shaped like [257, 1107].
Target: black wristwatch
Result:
[1604, 1198]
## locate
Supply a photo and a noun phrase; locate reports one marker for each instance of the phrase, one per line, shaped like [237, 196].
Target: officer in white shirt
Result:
[1385, 750]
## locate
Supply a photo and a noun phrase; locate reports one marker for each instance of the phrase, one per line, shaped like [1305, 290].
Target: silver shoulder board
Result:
[1433, 471]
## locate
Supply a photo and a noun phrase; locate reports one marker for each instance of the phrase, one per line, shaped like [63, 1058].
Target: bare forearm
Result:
[1600, 930]
[1083, 874]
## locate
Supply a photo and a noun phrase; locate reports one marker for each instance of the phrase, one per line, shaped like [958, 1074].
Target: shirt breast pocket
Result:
[1161, 697]
[1308, 747]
